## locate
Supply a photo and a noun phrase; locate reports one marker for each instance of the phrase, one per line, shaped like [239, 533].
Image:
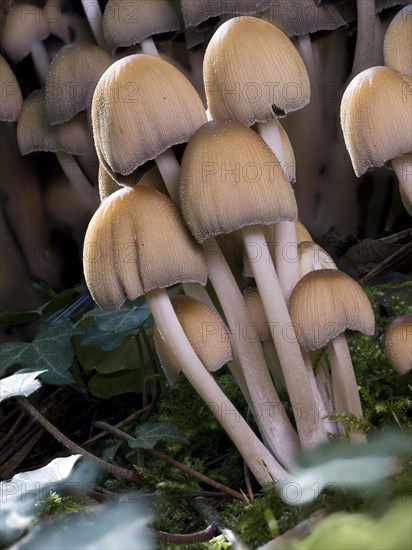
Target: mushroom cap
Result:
[376, 117]
[11, 98]
[302, 234]
[252, 71]
[229, 179]
[325, 303]
[34, 133]
[257, 313]
[107, 185]
[384, 4]
[195, 12]
[304, 17]
[136, 242]
[142, 106]
[128, 23]
[25, 25]
[398, 343]
[205, 331]
[72, 79]
[397, 46]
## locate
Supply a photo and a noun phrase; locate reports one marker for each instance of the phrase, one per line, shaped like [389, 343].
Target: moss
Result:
[57, 504]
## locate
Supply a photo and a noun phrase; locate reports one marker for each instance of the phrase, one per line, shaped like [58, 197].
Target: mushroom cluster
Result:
[159, 124]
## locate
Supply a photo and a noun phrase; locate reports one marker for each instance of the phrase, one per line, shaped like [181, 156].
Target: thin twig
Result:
[212, 517]
[73, 447]
[11, 466]
[175, 463]
[189, 538]
[402, 256]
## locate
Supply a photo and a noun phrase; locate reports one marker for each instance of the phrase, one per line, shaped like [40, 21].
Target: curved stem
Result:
[267, 408]
[94, 17]
[365, 36]
[311, 430]
[345, 387]
[263, 465]
[169, 169]
[149, 47]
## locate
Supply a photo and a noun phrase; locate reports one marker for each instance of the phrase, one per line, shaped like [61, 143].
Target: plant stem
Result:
[94, 17]
[263, 465]
[69, 444]
[175, 463]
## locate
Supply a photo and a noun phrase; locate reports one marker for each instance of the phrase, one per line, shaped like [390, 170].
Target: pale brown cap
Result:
[205, 331]
[141, 107]
[376, 117]
[128, 23]
[11, 98]
[136, 242]
[34, 133]
[302, 234]
[25, 26]
[324, 304]
[312, 256]
[257, 313]
[230, 179]
[397, 47]
[72, 79]
[304, 17]
[195, 11]
[398, 343]
[384, 4]
[107, 185]
[252, 71]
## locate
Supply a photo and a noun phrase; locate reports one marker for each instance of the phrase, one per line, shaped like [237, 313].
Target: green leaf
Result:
[125, 357]
[105, 340]
[110, 385]
[9, 318]
[128, 318]
[151, 433]
[11, 354]
[51, 351]
[19, 384]
[60, 301]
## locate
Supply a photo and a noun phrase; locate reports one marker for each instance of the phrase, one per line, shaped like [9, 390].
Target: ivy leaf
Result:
[19, 384]
[111, 328]
[51, 351]
[151, 433]
[9, 318]
[11, 354]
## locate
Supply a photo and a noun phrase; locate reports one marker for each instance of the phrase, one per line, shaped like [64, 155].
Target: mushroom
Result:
[398, 42]
[323, 305]
[143, 226]
[398, 343]
[205, 331]
[142, 106]
[11, 98]
[376, 118]
[136, 21]
[72, 79]
[226, 162]
[253, 72]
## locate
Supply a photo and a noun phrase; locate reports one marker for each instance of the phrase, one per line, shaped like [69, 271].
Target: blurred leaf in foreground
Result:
[19, 384]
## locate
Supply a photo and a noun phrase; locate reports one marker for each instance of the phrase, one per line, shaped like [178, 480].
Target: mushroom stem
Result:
[148, 46]
[365, 36]
[274, 365]
[78, 180]
[94, 17]
[41, 61]
[263, 465]
[403, 170]
[306, 52]
[266, 405]
[345, 387]
[169, 169]
[311, 431]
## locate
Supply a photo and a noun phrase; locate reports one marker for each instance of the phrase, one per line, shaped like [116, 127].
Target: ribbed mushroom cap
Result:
[142, 106]
[107, 184]
[128, 23]
[72, 79]
[195, 12]
[304, 17]
[11, 98]
[205, 331]
[230, 179]
[136, 242]
[302, 234]
[398, 343]
[25, 25]
[397, 47]
[376, 117]
[252, 71]
[34, 133]
[257, 313]
[324, 304]
[384, 4]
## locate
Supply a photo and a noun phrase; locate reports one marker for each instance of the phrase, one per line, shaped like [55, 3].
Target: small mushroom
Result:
[11, 98]
[323, 305]
[398, 343]
[397, 46]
